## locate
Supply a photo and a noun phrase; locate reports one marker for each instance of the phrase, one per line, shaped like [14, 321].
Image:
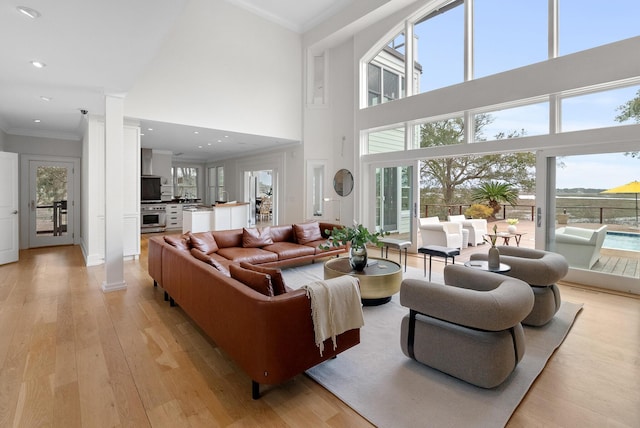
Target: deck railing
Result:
[576, 214]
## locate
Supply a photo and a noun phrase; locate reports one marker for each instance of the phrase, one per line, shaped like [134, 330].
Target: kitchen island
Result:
[217, 217]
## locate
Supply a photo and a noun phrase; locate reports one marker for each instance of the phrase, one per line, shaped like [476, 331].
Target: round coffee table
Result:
[378, 281]
[484, 265]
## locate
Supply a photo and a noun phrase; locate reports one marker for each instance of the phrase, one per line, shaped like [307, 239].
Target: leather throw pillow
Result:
[277, 281]
[307, 232]
[203, 241]
[180, 242]
[260, 282]
[255, 238]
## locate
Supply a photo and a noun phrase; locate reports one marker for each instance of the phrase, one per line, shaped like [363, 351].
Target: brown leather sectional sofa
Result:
[270, 337]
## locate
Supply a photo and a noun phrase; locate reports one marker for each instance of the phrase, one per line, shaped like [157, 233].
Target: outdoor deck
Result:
[623, 263]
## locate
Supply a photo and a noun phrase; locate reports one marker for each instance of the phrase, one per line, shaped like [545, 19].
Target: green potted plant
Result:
[357, 237]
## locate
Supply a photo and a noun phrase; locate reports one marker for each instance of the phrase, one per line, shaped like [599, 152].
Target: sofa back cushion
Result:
[203, 241]
[260, 282]
[277, 281]
[228, 238]
[307, 232]
[256, 238]
[282, 233]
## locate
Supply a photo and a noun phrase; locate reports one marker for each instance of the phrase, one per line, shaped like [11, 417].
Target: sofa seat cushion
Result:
[323, 242]
[212, 259]
[258, 281]
[289, 250]
[203, 241]
[307, 232]
[250, 255]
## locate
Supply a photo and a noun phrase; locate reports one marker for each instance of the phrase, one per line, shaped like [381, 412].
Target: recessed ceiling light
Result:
[149, 129]
[31, 13]
[43, 98]
[219, 141]
[199, 147]
[208, 144]
[38, 64]
[195, 132]
[142, 134]
[36, 120]
[226, 136]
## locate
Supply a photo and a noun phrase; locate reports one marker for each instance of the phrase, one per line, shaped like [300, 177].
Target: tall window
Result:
[506, 35]
[385, 73]
[185, 181]
[439, 48]
[586, 24]
[216, 184]
[597, 109]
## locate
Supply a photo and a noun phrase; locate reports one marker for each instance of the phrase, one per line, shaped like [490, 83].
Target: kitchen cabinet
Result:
[218, 217]
[174, 216]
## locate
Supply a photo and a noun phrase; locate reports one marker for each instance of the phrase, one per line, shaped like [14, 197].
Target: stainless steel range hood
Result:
[146, 161]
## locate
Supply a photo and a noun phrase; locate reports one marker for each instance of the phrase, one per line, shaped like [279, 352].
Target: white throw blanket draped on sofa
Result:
[335, 307]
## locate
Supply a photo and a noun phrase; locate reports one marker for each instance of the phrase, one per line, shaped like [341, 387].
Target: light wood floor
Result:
[72, 356]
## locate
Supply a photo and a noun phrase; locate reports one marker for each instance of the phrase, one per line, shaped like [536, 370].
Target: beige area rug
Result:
[390, 390]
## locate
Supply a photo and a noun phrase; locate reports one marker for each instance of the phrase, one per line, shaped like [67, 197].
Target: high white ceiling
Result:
[95, 47]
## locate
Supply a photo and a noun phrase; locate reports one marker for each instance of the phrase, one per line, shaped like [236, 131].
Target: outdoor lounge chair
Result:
[477, 228]
[580, 246]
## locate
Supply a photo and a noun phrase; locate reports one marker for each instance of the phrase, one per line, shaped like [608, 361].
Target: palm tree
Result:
[494, 194]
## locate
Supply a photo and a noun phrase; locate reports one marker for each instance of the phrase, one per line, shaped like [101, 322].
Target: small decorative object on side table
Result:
[493, 258]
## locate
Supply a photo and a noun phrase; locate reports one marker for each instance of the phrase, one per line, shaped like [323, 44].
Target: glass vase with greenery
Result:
[356, 237]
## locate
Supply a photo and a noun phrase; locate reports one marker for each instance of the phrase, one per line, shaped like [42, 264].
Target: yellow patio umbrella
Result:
[633, 187]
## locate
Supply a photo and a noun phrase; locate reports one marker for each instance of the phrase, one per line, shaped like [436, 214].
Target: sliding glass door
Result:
[394, 199]
[594, 227]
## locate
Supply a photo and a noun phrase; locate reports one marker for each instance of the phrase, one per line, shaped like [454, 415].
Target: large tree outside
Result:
[450, 181]
[630, 111]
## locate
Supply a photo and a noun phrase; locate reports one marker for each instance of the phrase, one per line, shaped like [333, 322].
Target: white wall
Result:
[2, 138]
[42, 146]
[224, 68]
[289, 167]
[329, 132]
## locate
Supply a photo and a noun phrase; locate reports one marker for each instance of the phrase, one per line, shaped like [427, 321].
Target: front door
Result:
[8, 207]
[51, 189]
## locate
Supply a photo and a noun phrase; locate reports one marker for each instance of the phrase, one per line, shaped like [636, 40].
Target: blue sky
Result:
[513, 33]
[601, 171]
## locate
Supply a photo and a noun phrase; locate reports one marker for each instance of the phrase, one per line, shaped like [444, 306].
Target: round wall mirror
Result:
[343, 182]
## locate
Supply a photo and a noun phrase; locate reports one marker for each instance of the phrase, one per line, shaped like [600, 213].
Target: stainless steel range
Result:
[153, 218]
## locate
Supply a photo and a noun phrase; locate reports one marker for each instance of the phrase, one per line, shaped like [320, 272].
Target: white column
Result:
[113, 209]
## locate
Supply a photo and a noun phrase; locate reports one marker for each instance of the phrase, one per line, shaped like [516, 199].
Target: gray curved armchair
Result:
[541, 270]
[469, 328]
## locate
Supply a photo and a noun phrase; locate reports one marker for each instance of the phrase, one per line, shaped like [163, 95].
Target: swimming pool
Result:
[622, 241]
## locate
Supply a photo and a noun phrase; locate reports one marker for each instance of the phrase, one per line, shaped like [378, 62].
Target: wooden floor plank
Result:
[73, 356]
